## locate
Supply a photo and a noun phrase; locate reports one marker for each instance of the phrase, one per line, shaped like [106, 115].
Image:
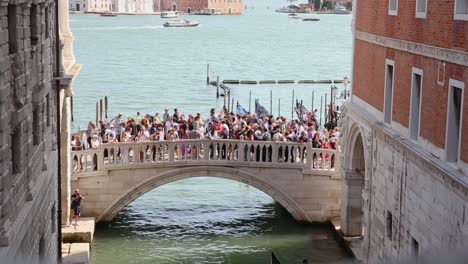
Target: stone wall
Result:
[28, 152]
[412, 203]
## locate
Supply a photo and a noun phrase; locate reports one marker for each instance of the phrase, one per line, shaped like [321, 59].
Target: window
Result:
[393, 7]
[12, 23]
[34, 25]
[454, 121]
[415, 107]
[461, 10]
[47, 22]
[414, 247]
[36, 126]
[389, 225]
[16, 146]
[48, 109]
[421, 8]
[388, 96]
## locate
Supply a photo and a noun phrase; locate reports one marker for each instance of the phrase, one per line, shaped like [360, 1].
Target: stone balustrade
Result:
[124, 155]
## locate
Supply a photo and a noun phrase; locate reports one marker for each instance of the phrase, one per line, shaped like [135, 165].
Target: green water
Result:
[143, 66]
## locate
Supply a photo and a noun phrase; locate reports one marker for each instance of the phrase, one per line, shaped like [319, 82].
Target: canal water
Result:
[142, 66]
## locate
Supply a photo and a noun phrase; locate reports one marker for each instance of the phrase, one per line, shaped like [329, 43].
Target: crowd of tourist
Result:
[223, 125]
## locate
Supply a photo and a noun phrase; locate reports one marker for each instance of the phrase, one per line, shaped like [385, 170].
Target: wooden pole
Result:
[312, 102]
[279, 107]
[97, 112]
[100, 109]
[292, 105]
[325, 110]
[300, 111]
[229, 101]
[321, 103]
[105, 105]
[71, 108]
[250, 99]
[232, 105]
[217, 87]
[208, 73]
[271, 102]
[225, 98]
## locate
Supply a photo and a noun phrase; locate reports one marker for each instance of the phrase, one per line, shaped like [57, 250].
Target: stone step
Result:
[75, 253]
[81, 233]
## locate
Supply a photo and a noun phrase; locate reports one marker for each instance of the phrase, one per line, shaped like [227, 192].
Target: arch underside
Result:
[201, 171]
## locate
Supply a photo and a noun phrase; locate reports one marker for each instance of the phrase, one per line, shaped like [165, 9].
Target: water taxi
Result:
[169, 14]
[181, 23]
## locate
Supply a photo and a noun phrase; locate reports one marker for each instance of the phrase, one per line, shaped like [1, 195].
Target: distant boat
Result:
[340, 10]
[181, 23]
[310, 19]
[292, 14]
[108, 14]
[169, 14]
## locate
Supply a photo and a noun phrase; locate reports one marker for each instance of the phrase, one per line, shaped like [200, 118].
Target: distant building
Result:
[92, 6]
[133, 6]
[405, 130]
[233, 7]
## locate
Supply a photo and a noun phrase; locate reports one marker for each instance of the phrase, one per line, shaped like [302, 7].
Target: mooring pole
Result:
[250, 99]
[292, 105]
[229, 101]
[321, 103]
[105, 105]
[217, 87]
[312, 102]
[325, 112]
[279, 107]
[100, 109]
[208, 73]
[71, 108]
[225, 98]
[97, 113]
[271, 102]
[232, 104]
[300, 111]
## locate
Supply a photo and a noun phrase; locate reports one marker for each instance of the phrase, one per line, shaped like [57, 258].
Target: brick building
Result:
[404, 178]
[233, 7]
[32, 70]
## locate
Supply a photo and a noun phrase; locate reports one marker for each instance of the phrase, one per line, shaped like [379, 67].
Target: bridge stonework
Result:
[110, 180]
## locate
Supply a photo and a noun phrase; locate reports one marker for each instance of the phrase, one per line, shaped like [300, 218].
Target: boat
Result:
[340, 10]
[169, 14]
[108, 14]
[310, 19]
[181, 23]
[292, 14]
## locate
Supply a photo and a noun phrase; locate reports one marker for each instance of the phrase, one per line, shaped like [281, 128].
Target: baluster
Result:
[171, 151]
[308, 157]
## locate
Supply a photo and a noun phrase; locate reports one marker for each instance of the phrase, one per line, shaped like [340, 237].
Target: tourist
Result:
[76, 205]
[166, 115]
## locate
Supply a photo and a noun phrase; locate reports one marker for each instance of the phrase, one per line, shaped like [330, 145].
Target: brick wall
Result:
[369, 83]
[438, 29]
[28, 162]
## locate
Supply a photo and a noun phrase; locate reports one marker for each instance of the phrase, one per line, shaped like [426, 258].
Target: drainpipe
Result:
[58, 129]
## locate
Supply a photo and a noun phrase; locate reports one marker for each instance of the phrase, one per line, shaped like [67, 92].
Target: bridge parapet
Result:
[234, 153]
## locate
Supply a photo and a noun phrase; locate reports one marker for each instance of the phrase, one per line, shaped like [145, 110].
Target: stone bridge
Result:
[301, 178]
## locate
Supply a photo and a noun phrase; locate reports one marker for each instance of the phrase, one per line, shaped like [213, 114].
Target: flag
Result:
[240, 110]
[300, 109]
[260, 110]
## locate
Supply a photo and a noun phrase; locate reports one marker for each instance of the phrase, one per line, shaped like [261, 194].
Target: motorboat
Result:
[181, 23]
[108, 14]
[311, 19]
[340, 10]
[292, 14]
[169, 14]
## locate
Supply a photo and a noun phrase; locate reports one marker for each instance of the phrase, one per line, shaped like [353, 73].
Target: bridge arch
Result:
[352, 211]
[231, 173]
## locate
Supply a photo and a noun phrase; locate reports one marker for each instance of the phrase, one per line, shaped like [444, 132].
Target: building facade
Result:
[228, 7]
[132, 6]
[405, 188]
[35, 80]
[91, 6]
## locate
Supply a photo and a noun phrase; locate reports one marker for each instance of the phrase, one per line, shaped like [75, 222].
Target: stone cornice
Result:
[442, 171]
[444, 54]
